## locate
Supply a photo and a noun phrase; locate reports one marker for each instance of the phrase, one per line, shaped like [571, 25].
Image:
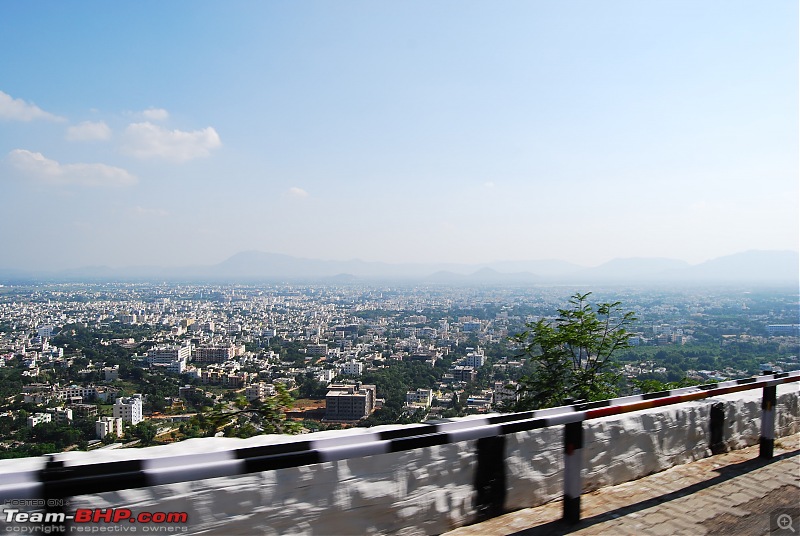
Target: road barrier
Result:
[59, 480]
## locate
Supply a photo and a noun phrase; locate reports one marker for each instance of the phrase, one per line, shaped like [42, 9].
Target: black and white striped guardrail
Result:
[60, 479]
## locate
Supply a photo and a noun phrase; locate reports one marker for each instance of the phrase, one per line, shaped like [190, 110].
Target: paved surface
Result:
[727, 494]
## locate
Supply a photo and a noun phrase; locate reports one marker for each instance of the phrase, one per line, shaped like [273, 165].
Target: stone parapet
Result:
[428, 490]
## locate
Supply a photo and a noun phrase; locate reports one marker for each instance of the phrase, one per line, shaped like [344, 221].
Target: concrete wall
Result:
[431, 490]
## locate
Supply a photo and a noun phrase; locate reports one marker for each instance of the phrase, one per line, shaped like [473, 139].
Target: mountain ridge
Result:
[758, 266]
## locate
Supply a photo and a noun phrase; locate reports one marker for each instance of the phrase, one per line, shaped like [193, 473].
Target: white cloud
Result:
[297, 192]
[489, 184]
[19, 110]
[88, 131]
[155, 114]
[36, 166]
[146, 140]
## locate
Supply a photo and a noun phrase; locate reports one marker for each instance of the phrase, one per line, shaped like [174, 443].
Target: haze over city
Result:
[182, 133]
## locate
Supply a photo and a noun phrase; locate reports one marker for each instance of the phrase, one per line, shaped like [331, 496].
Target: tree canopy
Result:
[571, 355]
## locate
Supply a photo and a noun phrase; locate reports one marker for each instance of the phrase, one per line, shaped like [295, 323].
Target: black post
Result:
[717, 428]
[54, 502]
[767, 440]
[573, 452]
[490, 478]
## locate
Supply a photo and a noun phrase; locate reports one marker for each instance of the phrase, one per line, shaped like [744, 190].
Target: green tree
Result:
[571, 356]
[145, 431]
[269, 414]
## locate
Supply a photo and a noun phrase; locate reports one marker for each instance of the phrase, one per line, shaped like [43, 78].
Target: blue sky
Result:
[183, 132]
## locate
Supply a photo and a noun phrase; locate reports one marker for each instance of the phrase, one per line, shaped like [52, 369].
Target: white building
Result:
[505, 392]
[38, 418]
[474, 358]
[172, 358]
[353, 368]
[326, 375]
[108, 425]
[259, 391]
[45, 331]
[86, 393]
[129, 409]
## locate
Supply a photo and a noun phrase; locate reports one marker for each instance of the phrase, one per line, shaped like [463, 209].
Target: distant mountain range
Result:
[758, 267]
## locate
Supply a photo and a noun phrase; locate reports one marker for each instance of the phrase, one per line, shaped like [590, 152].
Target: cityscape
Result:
[399, 267]
[110, 365]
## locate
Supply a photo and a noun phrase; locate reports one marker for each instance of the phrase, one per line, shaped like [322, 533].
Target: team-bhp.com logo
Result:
[96, 520]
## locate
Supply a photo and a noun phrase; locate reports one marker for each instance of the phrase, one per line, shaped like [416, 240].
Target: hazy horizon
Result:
[455, 132]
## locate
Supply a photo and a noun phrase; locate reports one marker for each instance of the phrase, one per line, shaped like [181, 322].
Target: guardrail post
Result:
[767, 440]
[490, 477]
[54, 502]
[717, 428]
[573, 454]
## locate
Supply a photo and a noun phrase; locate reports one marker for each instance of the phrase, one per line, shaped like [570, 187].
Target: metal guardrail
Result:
[58, 480]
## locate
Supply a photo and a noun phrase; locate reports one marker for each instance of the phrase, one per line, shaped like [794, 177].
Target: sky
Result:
[182, 132]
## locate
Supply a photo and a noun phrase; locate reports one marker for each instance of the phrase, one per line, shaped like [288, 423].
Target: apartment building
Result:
[129, 409]
[348, 402]
[353, 368]
[259, 391]
[108, 425]
[173, 358]
[214, 354]
[474, 358]
[38, 418]
[420, 397]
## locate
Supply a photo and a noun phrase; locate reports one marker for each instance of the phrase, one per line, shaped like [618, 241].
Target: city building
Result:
[317, 349]
[783, 330]
[45, 331]
[85, 393]
[214, 354]
[474, 358]
[353, 368]
[111, 373]
[505, 392]
[129, 409]
[172, 358]
[60, 415]
[464, 374]
[38, 418]
[83, 411]
[420, 397]
[259, 391]
[108, 425]
[347, 402]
